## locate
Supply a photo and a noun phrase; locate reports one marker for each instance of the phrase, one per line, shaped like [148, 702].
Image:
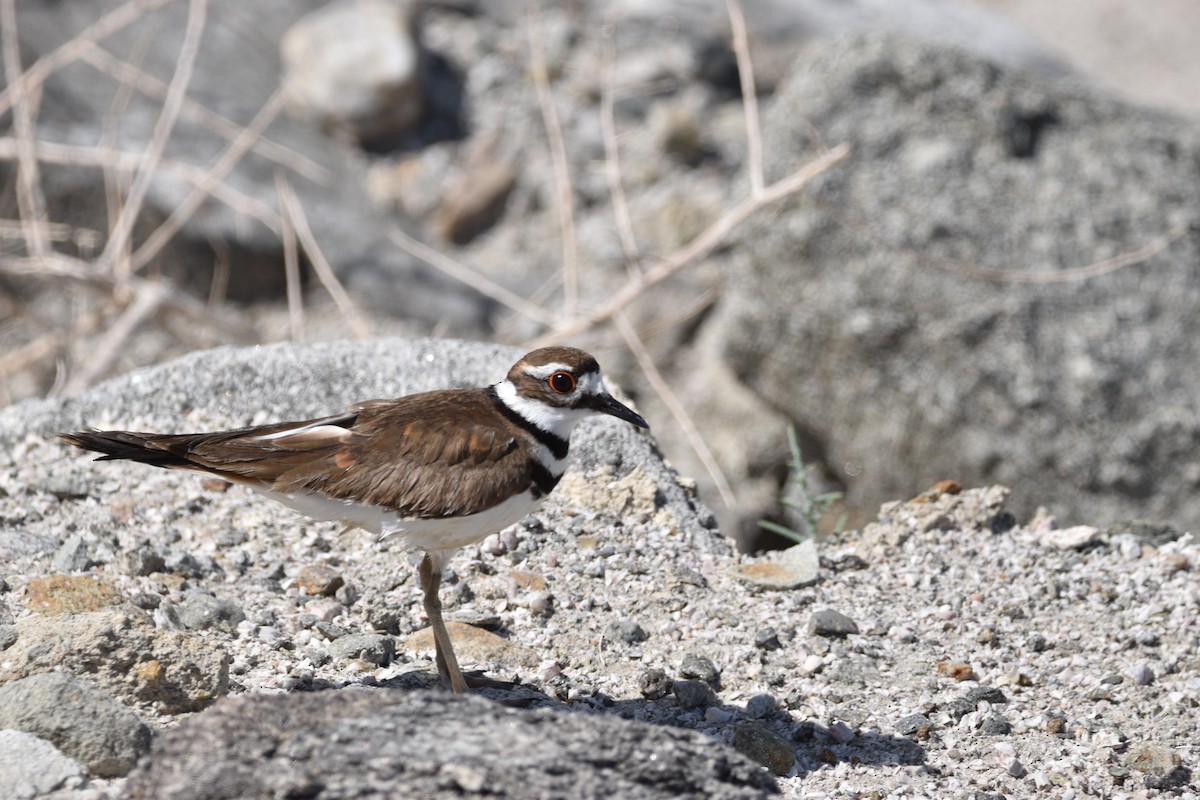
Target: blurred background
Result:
[937, 239]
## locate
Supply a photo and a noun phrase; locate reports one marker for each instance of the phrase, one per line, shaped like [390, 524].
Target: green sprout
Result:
[811, 508]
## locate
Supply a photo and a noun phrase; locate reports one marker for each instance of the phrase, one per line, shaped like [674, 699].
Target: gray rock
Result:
[834, 624]
[799, 565]
[355, 66]
[199, 611]
[989, 694]
[760, 705]
[627, 631]
[1160, 766]
[32, 767]
[73, 555]
[435, 746]
[371, 647]
[121, 651]
[996, 725]
[917, 366]
[83, 721]
[1142, 674]
[701, 668]
[8, 636]
[691, 694]
[16, 543]
[912, 724]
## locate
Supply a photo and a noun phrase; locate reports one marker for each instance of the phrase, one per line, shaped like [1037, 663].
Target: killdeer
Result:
[437, 470]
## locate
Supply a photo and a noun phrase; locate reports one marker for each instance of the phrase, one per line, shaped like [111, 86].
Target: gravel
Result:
[911, 704]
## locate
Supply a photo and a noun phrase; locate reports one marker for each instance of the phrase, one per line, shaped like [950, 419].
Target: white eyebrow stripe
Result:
[546, 370]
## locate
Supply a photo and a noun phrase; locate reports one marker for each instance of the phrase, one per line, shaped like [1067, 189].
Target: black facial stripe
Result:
[557, 445]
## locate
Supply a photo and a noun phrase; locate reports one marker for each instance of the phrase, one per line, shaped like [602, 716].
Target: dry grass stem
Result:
[115, 255]
[714, 236]
[471, 277]
[612, 161]
[671, 401]
[293, 211]
[155, 89]
[291, 266]
[741, 50]
[229, 159]
[558, 157]
[131, 163]
[118, 19]
[149, 297]
[1093, 270]
[31, 203]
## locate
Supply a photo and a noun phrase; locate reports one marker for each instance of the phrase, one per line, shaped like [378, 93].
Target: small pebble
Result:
[840, 732]
[1142, 675]
[654, 684]
[693, 694]
[701, 668]
[766, 639]
[996, 725]
[760, 744]
[760, 705]
[832, 624]
[912, 724]
[715, 715]
[627, 631]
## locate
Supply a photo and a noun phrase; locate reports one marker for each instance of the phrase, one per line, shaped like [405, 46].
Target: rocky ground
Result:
[946, 650]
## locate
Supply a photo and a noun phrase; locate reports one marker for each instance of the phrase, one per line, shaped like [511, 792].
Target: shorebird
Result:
[437, 470]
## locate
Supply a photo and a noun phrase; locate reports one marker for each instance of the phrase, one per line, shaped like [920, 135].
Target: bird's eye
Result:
[562, 382]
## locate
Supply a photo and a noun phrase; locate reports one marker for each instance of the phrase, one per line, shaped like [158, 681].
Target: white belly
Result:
[418, 534]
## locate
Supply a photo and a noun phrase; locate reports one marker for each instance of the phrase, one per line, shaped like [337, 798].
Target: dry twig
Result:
[30, 200]
[671, 401]
[114, 258]
[294, 212]
[741, 49]
[558, 156]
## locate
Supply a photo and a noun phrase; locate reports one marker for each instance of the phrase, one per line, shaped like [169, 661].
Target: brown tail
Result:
[127, 445]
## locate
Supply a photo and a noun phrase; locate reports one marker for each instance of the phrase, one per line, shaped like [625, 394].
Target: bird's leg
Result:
[447, 664]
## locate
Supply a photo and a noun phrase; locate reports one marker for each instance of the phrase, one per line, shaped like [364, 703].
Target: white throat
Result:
[552, 419]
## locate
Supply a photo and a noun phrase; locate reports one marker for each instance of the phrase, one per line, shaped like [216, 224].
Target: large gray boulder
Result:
[433, 745]
[916, 316]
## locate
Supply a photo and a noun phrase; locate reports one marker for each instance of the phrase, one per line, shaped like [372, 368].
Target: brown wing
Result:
[432, 455]
[429, 455]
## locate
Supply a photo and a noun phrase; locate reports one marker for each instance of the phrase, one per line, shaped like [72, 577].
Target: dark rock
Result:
[83, 721]
[766, 639]
[759, 743]
[8, 636]
[989, 693]
[654, 684]
[760, 706]
[833, 624]
[691, 694]
[627, 631]
[997, 725]
[432, 745]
